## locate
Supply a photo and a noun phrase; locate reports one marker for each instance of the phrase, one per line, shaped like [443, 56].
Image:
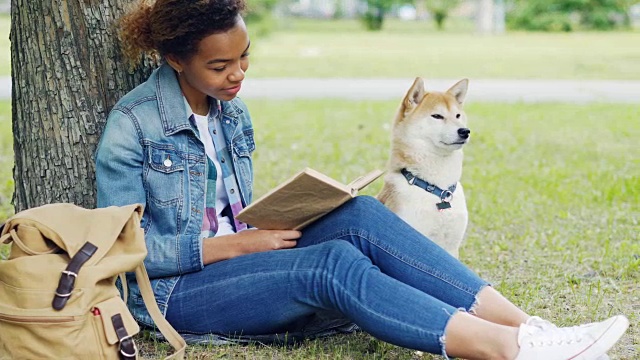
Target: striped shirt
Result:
[218, 194]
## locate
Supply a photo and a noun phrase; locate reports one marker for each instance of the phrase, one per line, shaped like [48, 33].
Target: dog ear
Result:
[414, 95]
[459, 90]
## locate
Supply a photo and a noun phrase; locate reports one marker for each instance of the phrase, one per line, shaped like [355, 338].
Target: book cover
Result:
[301, 200]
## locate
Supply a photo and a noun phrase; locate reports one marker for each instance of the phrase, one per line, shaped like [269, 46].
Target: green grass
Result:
[5, 45]
[553, 192]
[342, 48]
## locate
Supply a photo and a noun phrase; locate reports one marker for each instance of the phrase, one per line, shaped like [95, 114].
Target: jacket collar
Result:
[173, 113]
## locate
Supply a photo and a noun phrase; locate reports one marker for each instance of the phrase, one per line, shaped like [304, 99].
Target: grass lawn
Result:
[344, 49]
[5, 45]
[553, 192]
[314, 48]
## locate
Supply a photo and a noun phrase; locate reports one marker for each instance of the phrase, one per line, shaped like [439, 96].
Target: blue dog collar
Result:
[445, 196]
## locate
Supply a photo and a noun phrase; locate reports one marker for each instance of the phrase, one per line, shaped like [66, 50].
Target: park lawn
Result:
[342, 48]
[5, 45]
[553, 192]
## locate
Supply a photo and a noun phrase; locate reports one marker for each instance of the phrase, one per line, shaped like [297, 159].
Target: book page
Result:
[361, 182]
[297, 202]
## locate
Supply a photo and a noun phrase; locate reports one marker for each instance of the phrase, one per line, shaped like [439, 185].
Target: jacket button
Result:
[167, 162]
[232, 191]
[222, 160]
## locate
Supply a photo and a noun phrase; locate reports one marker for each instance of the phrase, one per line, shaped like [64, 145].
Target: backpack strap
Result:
[128, 350]
[172, 336]
[69, 275]
[13, 236]
[125, 287]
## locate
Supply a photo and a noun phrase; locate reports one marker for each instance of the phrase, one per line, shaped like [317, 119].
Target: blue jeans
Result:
[360, 260]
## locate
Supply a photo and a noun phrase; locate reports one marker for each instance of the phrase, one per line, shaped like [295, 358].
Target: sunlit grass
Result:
[408, 49]
[5, 45]
[553, 195]
[342, 48]
[553, 192]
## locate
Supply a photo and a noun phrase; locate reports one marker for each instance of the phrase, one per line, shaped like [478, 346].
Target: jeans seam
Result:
[363, 306]
[363, 235]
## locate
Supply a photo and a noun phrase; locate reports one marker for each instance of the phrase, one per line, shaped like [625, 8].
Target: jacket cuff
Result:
[190, 254]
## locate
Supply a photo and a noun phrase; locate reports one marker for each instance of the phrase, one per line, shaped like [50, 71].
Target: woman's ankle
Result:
[473, 338]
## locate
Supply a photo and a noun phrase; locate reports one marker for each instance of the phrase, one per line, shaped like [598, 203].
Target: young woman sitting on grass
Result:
[181, 144]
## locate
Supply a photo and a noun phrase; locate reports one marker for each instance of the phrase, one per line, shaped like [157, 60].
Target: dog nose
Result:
[464, 133]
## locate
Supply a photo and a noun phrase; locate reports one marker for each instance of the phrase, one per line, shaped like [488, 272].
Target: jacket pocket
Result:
[244, 144]
[164, 177]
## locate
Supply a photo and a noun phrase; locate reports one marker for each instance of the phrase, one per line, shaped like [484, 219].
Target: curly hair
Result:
[175, 26]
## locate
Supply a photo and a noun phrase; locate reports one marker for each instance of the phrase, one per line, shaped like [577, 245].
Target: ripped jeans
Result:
[360, 260]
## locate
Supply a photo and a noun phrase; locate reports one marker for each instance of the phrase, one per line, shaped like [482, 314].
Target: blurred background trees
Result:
[490, 16]
[440, 9]
[260, 15]
[569, 15]
[375, 11]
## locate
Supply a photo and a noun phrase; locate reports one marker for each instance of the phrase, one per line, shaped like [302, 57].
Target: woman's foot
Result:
[546, 324]
[540, 340]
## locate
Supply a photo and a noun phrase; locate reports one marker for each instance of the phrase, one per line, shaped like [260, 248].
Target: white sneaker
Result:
[586, 342]
[543, 324]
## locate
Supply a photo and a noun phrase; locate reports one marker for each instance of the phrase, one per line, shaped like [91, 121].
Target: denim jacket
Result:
[150, 153]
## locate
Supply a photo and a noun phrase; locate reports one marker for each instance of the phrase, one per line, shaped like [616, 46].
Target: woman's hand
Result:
[247, 242]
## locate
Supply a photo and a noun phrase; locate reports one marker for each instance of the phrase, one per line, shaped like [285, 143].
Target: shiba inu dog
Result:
[422, 183]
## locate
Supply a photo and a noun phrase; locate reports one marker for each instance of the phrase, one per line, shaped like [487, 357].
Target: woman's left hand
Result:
[247, 242]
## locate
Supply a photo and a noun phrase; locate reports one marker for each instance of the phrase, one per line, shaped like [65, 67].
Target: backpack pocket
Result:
[115, 327]
[33, 336]
[105, 331]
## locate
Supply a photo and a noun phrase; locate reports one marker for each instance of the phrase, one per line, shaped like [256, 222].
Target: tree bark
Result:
[67, 73]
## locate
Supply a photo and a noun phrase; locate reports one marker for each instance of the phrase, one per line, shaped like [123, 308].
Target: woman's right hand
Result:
[247, 242]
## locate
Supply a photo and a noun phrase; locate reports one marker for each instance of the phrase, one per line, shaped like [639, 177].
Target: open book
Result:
[301, 200]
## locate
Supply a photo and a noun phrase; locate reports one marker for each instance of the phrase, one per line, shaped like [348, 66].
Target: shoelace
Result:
[553, 336]
[543, 324]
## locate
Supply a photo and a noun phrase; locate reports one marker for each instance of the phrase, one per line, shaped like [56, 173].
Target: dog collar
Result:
[444, 195]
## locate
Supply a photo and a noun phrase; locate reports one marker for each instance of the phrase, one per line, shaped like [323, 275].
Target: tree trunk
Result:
[67, 72]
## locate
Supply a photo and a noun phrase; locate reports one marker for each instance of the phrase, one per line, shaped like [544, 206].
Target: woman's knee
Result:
[337, 253]
[364, 207]
[343, 261]
[364, 203]
[339, 249]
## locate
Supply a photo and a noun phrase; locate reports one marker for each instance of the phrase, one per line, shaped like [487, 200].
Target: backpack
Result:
[58, 297]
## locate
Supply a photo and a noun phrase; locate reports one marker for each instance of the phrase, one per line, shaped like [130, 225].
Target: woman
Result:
[181, 144]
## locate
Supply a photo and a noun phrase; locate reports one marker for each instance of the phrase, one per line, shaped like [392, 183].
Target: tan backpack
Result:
[58, 297]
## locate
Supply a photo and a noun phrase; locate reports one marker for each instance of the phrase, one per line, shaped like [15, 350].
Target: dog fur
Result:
[427, 140]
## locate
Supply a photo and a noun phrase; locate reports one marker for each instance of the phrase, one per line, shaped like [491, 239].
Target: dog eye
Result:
[437, 116]
[457, 116]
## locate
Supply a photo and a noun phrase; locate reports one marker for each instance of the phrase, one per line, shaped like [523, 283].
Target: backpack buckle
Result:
[69, 275]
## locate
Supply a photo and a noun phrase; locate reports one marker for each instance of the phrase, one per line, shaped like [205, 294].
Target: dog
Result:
[422, 181]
